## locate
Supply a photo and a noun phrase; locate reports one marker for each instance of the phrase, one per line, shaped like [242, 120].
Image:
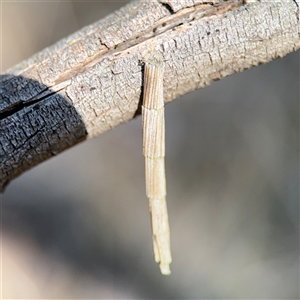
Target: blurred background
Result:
[78, 226]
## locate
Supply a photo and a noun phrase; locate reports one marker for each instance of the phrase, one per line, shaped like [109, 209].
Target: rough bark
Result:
[91, 81]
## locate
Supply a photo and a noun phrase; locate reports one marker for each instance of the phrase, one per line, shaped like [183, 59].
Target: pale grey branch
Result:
[91, 81]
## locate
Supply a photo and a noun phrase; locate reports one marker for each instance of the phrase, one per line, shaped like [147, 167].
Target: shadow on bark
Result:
[36, 123]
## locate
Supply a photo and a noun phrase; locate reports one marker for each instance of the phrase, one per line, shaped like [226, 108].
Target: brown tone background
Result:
[78, 225]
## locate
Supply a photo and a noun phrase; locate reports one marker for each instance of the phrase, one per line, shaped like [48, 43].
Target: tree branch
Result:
[91, 81]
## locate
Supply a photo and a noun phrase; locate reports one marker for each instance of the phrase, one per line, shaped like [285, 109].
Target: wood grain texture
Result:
[94, 76]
